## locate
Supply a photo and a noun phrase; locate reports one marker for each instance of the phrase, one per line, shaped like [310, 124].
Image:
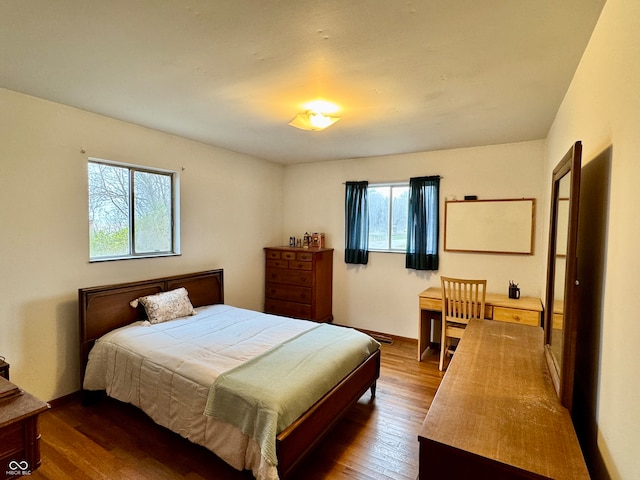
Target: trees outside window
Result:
[132, 211]
[388, 210]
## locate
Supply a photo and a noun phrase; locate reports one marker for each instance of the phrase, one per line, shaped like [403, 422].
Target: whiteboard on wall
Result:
[490, 226]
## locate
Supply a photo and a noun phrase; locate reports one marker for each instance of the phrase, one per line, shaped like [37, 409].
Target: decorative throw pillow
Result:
[166, 305]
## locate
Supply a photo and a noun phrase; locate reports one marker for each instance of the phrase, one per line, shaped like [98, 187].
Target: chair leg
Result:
[443, 347]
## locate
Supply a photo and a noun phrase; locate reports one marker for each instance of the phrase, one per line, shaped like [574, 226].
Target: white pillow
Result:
[166, 305]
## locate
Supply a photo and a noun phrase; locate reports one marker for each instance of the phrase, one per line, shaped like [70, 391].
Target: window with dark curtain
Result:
[356, 223]
[423, 227]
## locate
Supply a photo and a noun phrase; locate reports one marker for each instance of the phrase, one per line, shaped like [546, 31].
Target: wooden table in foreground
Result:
[524, 310]
[496, 414]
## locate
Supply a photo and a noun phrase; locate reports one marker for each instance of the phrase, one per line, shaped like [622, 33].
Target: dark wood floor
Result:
[375, 440]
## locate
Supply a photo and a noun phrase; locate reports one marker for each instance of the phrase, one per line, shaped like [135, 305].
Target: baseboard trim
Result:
[64, 399]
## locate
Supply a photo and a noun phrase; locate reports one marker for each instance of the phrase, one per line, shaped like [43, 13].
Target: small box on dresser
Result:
[299, 282]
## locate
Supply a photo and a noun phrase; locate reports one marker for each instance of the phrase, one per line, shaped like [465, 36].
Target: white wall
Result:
[45, 223]
[231, 207]
[602, 108]
[383, 296]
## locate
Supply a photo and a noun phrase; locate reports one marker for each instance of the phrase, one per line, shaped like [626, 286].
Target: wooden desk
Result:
[19, 437]
[525, 310]
[496, 414]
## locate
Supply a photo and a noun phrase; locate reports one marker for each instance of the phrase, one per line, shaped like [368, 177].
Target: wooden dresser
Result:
[299, 282]
[496, 414]
[19, 437]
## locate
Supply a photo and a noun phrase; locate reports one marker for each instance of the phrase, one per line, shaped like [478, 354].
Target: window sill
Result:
[387, 251]
[133, 257]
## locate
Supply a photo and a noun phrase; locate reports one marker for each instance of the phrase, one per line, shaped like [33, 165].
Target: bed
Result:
[105, 312]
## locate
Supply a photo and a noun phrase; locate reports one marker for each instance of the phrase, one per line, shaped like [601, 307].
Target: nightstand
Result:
[4, 368]
[19, 436]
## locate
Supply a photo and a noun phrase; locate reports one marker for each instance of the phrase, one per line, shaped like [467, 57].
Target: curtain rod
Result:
[390, 182]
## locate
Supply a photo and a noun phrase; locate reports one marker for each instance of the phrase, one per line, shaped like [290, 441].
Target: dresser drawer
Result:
[288, 309]
[300, 265]
[277, 263]
[304, 256]
[289, 277]
[513, 315]
[273, 254]
[290, 293]
[289, 255]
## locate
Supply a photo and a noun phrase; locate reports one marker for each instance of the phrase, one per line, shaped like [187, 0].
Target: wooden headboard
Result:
[105, 308]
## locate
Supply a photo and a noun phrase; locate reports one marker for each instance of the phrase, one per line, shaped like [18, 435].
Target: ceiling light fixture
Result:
[317, 116]
[313, 120]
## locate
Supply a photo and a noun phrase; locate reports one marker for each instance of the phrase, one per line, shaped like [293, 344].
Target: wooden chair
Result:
[461, 301]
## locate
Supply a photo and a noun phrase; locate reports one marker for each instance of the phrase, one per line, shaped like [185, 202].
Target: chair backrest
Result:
[462, 299]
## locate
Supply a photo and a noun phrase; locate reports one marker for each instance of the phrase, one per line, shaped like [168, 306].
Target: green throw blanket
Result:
[266, 394]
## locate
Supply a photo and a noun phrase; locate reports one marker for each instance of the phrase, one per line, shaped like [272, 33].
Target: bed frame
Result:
[105, 308]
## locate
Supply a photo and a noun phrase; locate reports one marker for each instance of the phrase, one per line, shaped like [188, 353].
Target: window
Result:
[393, 217]
[388, 214]
[132, 211]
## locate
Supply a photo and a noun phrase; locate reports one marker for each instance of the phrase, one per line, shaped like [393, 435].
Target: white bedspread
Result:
[166, 370]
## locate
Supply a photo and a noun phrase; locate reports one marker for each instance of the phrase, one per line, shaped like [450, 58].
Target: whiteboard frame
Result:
[505, 226]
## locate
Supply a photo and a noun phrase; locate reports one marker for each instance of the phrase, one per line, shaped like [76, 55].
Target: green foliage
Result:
[109, 244]
[110, 211]
[153, 230]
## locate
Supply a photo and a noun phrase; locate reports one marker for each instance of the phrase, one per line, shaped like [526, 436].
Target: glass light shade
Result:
[313, 121]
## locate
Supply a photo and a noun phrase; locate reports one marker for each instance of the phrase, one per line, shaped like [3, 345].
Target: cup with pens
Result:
[514, 291]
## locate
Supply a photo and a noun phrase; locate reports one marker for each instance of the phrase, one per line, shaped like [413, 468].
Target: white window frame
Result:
[175, 211]
[391, 185]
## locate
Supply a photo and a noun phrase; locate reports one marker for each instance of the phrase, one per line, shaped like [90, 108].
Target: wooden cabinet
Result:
[19, 437]
[299, 282]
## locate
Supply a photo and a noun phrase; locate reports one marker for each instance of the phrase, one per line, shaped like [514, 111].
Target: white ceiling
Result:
[408, 75]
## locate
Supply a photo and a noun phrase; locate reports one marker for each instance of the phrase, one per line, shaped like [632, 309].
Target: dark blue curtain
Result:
[356, 223]
[423, 227]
